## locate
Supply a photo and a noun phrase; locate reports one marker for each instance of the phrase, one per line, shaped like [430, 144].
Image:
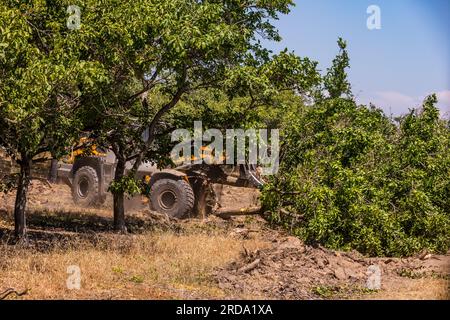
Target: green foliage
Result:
[336, 81]
[350, 178]
[41, 80]
[126, 185]
[157, 53]
[137, 278]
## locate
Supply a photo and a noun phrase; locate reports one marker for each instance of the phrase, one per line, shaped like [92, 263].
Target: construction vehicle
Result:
[180, 192]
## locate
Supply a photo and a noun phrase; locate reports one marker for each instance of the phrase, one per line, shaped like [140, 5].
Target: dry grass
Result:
[157, 260]
[415, 289]
[149, 266]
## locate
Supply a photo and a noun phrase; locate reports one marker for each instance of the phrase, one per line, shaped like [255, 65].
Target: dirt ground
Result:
[161, 258]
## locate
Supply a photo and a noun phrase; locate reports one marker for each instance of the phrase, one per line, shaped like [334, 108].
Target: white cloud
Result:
[444, 101]
[397, 103]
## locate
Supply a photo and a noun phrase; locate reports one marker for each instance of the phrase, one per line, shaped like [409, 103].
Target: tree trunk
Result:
[205, 198]
[119, 198]
[200, 186]
[21, 199]
[53, 174]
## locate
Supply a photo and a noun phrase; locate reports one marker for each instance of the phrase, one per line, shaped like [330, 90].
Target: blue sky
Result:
[394, 67]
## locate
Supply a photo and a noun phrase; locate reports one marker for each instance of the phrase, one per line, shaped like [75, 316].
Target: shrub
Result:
[351, 178]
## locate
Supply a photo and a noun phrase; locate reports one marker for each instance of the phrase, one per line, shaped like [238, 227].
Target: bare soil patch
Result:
[291, 270]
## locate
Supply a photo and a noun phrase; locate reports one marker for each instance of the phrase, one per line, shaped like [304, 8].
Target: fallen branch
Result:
[238, 212]
[250, 266]
[11, 291]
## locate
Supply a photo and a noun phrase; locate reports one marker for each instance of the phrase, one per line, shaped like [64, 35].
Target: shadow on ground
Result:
[50, 230]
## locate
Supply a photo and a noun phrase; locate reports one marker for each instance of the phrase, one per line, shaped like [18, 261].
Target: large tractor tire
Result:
[85, 188]
[172, 197]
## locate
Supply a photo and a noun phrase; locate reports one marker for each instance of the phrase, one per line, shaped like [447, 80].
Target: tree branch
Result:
[152, 127]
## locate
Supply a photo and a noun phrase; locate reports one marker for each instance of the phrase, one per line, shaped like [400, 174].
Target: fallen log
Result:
[224, 213]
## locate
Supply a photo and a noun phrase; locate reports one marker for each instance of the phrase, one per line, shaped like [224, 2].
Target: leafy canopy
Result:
[351, 178]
